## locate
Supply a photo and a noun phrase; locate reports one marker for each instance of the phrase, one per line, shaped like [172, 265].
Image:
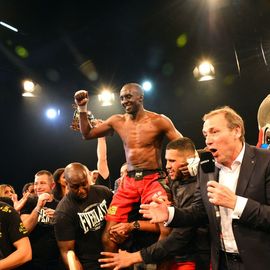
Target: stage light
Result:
[21, 51]
[9, 26]
[52, 113]
[204, 71]
[28, 94]
[106, 97]
[147, 86]
[181, 40]
[28, 86]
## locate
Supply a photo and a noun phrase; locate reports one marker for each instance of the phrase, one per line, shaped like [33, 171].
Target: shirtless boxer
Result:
[142, 133]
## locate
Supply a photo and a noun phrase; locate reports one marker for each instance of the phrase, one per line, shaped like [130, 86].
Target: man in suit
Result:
[240, 199]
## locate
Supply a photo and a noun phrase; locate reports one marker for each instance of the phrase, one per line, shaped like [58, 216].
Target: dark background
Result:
[126, 41]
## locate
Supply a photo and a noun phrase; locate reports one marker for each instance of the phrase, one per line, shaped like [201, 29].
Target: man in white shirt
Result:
[240, 233]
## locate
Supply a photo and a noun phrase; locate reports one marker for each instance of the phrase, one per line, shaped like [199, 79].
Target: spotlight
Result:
[28, 94]
[30, 89]
[10, 27]
[204, 72]
[28, 86]
[147, 86]
[52, 113]
[106, 97]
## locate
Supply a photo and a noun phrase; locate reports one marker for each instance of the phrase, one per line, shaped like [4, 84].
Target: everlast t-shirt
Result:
[84, 221]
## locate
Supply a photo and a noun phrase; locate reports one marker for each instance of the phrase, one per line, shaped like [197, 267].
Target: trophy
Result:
[75, 124]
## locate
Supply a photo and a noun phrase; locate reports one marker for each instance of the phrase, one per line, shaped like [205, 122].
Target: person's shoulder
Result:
[116, 117]
[7, 200]
[64, 201]
[261, 155]
[5, 207]
[159, 119]
[67, 206]
[53, 204]
[158, 116]
[7, 210]
[101, 189]
[252, 149]
[29, 205]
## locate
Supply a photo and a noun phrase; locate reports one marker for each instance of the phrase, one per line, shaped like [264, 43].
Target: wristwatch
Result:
[136, 225]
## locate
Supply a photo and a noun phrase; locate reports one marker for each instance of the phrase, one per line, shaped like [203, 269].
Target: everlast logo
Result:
[92, 220]
[43, 218]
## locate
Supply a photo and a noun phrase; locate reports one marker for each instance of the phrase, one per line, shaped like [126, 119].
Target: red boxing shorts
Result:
[138, 186]
[183, 266]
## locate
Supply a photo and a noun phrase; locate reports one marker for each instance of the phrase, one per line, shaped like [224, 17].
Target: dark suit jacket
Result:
[183, 243]
[252, 230]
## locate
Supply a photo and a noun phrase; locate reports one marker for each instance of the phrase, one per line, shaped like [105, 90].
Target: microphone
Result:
[207, 163]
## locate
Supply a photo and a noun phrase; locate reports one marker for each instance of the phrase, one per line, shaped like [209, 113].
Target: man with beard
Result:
[188, 247]
[142, 133]
[80, 218]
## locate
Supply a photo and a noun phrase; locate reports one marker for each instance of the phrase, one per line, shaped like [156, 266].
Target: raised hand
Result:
[81, 98]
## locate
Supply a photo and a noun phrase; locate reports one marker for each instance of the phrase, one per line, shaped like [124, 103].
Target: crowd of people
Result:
[204, 212]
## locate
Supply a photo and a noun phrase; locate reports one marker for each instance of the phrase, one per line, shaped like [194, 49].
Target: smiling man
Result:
[240, 237]
[142, 133]
[38, 218]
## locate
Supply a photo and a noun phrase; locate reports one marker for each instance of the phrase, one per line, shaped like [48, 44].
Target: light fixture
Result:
[10, 27]
[147, 86]
[52, 113]
[205, 71]
[106, 97]
[28, 88]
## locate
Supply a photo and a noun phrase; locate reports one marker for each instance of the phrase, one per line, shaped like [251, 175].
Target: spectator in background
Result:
[38, 218]
[60, 188]
[101, 176]
[15, 248]
[29, 187]
[123, 174]
[9, 192]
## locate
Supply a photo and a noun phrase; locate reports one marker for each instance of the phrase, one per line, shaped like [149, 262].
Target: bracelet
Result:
[82, 108]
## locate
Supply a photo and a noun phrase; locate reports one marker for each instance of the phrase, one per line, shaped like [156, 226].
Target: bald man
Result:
[142, 133]
[80, 218]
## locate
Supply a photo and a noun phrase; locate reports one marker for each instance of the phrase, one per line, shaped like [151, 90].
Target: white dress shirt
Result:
[227, 177]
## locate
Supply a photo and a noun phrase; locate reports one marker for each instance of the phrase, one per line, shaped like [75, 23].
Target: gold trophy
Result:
[75, 124]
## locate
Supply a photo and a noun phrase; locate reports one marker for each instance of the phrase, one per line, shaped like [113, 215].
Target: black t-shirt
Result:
[103, 182]
[11, 229]
[83, 221]
[42, 238]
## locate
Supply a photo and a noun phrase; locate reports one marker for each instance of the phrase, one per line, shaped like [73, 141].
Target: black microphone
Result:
[207, 163]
